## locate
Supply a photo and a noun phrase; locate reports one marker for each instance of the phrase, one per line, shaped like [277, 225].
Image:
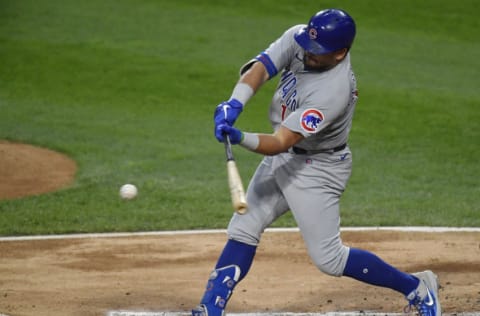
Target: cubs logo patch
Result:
[312, 33]
[311, 119]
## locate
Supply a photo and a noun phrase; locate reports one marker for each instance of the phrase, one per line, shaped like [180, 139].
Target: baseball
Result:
[128, 191]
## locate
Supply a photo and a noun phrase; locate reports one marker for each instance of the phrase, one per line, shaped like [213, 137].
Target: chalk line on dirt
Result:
[426, 229]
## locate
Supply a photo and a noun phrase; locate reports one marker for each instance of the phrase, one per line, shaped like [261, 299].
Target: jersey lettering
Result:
[291, 101]
[288, 91]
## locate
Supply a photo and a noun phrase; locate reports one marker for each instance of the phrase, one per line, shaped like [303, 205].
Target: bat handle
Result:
[228, 147]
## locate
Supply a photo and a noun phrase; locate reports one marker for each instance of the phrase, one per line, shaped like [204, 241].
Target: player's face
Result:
[323, 62]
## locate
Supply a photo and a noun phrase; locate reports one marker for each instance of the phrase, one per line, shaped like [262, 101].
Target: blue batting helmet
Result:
[327, 31]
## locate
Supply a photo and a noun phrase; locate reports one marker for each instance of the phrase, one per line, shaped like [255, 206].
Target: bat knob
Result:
[241, 210]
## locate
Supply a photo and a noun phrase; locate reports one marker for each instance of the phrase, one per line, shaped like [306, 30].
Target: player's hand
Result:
[227, 112]
[233, 133]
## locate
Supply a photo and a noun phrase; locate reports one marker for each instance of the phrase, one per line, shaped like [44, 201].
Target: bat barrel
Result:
[237, 194]
[235, 184]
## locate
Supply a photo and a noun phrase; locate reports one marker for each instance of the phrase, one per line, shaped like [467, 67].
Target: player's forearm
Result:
[271, 144]
[264, 144]
[255, 76]
[250, 81]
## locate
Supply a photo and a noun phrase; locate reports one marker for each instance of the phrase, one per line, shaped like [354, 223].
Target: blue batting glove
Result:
[234, 134]
[219, 132]
[227, 112]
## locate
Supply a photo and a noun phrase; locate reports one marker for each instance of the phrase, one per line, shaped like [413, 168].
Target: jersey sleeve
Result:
[279, 54]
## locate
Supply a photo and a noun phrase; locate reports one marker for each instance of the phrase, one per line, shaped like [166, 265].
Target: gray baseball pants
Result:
[310, 187]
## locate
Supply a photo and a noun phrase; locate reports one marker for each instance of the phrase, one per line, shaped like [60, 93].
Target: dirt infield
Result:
[90, 276]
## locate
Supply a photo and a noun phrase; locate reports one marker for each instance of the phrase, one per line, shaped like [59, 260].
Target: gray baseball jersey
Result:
[320, 106]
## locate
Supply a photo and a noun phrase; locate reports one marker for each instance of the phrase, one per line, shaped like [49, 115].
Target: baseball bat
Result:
[235, 183]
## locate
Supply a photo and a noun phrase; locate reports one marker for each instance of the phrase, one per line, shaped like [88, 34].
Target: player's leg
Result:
[244, 231]
[312, 187]
[365, 266]
[420, 289]
[315, 205]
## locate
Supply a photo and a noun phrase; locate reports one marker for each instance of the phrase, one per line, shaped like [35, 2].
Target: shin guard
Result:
[219, 288]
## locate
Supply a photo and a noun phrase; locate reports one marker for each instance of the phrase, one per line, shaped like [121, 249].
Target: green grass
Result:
[127, 89]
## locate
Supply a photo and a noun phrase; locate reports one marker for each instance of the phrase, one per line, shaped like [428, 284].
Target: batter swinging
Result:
[307, 162]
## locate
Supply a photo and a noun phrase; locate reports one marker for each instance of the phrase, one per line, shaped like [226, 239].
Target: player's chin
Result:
[317, 68]
[312, 65]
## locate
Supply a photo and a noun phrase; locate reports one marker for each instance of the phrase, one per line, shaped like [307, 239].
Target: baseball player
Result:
[307, 162]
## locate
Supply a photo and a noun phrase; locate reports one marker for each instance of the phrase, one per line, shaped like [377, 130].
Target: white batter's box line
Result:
[424, 229]
[360, 313]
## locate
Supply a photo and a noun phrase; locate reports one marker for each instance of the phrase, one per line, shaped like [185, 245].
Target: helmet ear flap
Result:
[327, 31]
